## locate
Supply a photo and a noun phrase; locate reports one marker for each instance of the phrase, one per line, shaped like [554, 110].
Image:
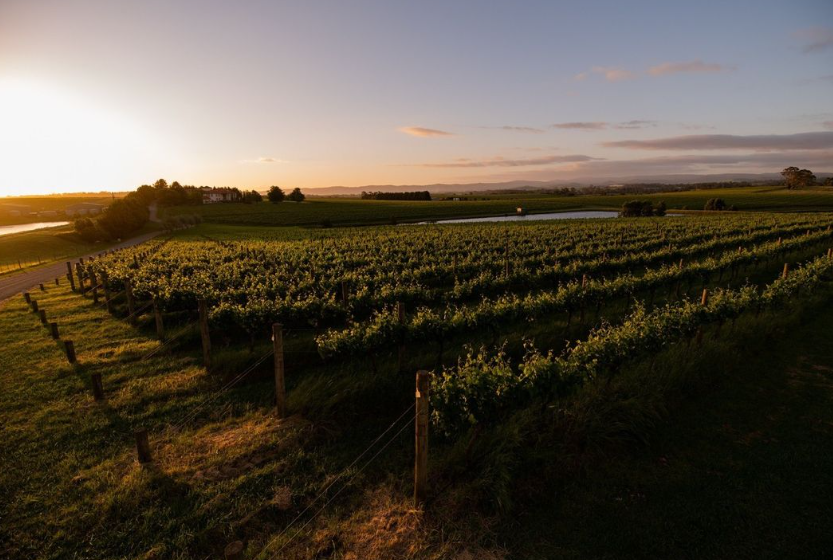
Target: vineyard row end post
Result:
[421, 438]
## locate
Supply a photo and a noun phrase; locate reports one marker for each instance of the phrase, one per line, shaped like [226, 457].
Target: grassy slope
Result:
[740, 470]
[359, 212]
[34, 248]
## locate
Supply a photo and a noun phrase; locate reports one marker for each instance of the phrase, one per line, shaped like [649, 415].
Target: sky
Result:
[110, 94]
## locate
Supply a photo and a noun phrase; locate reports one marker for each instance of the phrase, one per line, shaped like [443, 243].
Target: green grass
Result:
[713, 453]
[343, 211]
[35, 248]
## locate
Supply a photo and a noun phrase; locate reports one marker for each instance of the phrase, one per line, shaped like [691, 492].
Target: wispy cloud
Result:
[694, 66]
[500, 161]
[595, 125]
[612, 74]
[815, 39]
[424, 132]
[527, 129]
[801, 141]
[263, 159]
[603, 125]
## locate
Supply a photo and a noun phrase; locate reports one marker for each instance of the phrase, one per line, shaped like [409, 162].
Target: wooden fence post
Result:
[705, 299]
[70, 277]
[142, 446]
[131, 305]
[98, 387]
[108, 300]
[42, 288]
[234, 551]
[94, 283]
[205, 334]
[344, 294]
[42, 314]
[157, 314]
[421, 438]
[786, 270]
[69, 348]
[28, 297]
[400, 315]
[79, 272]
[280, 385]
[53, 328]
[34, 305]
[57, 280]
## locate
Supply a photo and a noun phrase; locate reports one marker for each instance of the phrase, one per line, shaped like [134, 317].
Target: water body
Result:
[20, 228]
[532, 217]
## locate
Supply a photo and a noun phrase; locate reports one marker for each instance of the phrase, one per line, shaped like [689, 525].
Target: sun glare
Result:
[54, 141]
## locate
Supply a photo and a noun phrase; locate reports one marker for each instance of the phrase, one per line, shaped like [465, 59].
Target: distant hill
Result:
[535, 185]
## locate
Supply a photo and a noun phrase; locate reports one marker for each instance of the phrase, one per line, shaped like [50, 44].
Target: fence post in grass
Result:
[94, 284]
[69, 276]
[57, 280]
[421, 438]
[27, 297]
[69, 348]
[786, 270]
[157, 314]
[34, 305]
[98, 387]
[107, 299]
[205, 334]
[830, 253]
[280, 386]
[42, 288]
[400, 316]
[79, 272]
[42, 314]
[704, 300]
[344, 293]
[234, 551]
[53, 328]
[131, 305]
[142, 446]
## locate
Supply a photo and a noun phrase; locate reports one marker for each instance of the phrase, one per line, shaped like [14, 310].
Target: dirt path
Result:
[14, 284]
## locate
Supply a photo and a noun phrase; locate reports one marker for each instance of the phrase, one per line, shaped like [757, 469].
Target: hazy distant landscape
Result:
[423, 281]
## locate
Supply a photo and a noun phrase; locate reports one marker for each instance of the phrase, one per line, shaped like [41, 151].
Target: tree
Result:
[296, 195]
[796, 178]
[252, 196]
[160, 185]
[275, 194]
[88, 230]
[659, 209]
[123, 217]
[828, 182]
[715, 204]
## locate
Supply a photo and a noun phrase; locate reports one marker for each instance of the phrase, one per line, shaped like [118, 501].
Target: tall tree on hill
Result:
[796, 178]
[296, 195]
[275, 194]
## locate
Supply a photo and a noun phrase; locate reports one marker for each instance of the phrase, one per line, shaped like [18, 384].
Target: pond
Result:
[529, 217]
[20, 228]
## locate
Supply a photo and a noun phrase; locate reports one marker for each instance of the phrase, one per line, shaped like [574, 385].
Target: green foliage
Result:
[795, 178]
[275, 194]
[296, 195]
[715, 204]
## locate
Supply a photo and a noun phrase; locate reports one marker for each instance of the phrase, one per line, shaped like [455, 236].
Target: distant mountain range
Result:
[534, 185]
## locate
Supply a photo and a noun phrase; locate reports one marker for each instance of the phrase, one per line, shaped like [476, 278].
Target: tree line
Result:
[415, 195]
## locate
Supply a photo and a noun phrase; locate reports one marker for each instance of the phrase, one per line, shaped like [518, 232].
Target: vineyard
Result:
[352, 295]
[512, 320]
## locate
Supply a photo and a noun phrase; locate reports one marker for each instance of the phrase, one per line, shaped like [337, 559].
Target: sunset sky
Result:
[107, 95]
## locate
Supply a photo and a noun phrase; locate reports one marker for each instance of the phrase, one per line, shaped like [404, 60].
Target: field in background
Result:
[316, 212]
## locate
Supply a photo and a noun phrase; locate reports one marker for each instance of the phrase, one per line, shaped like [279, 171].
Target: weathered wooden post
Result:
[421, 438]
[786, 270]
[108, 300]
[280, 385]
[34, 305]
[400, 315]
[142, 446]
[234, 551]
[82, 285]
[205, 334]
[53, 328]
[69, 348]
[157, 314]
[94, 284]
[57, 280]
[98, 387]
[344, 292]
[42, 314]
[69, 276]
[27, 297]
[131, 305]
[42, 288]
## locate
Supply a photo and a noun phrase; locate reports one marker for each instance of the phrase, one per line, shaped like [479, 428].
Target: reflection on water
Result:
[528, 217]
[8, 230]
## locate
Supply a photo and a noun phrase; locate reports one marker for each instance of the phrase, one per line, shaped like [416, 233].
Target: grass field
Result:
[342, 211]
[49, 203]
[693, 452]
[30, 249]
